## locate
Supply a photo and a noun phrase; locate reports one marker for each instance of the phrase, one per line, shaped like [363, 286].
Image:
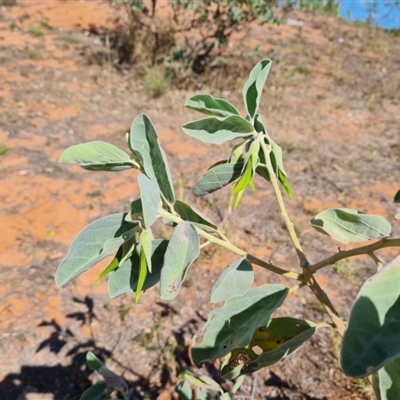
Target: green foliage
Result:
[3, 149]
[144, 145]
[182, 250]
[269, 344]
[235, 280]
[232, 326]
[351, 226]
[97, 241]
[217, 177]
[98, 156]
[209, 105]
[45, 24]
[370, 343]
[36, 32]
[102, 390]
[156, 81]
[124, 278]
[253, 87]
[242, 330]
[218, 130]
[386, 382]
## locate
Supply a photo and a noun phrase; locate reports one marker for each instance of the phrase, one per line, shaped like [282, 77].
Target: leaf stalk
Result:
[285, 216]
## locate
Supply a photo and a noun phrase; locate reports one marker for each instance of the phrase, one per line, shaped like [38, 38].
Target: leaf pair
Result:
[232, 325]
[276, 158]
[97, 241]
[147, 155]
[226, 123]
[241, 330]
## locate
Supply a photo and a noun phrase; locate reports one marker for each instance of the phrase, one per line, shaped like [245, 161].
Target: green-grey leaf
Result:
[184, 390]
[95, 392]
[143, 139]
[253, 87]
[232, 325]
[182, 250]
[276, 159]
[112, 379]
[371, 339]
[234, 280]
[93, 362]
[136, 213]
[350, 226]
[150, 193]
[146, 245]
[189, 213]
[285, 183]
[387, 381]
[279, 338]
[95, 242]
[397, 197]
[207, 104]
[97, 156]
[201, 381]
[217, 177]
[217, 130]
[125, 278]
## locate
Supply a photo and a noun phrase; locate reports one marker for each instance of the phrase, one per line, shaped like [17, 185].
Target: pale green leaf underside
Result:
[95, 242]
[97, 156]
[151, 193]
[253, 87]
[350, 226]
[372, 336]
[125, 278]
[184, 390]
[209, 105]
[232, 325]
[143, 139]
[218, 130]
[201, 381]
[387, 384]
[217, 177]
[182, 250]
[234, 280]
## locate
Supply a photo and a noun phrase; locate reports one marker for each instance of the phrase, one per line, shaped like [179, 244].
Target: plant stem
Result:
[289, 224]
[325, 301]
[368, 249]
[229, 246]
[308, 275]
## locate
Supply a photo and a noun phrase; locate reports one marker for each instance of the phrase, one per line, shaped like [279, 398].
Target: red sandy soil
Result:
[332, 103]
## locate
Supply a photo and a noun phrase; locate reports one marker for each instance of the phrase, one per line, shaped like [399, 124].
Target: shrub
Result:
[156, 81]
[186, 39]
[242, 331]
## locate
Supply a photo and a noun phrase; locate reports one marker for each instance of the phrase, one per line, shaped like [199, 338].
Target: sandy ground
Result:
[332, 103]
